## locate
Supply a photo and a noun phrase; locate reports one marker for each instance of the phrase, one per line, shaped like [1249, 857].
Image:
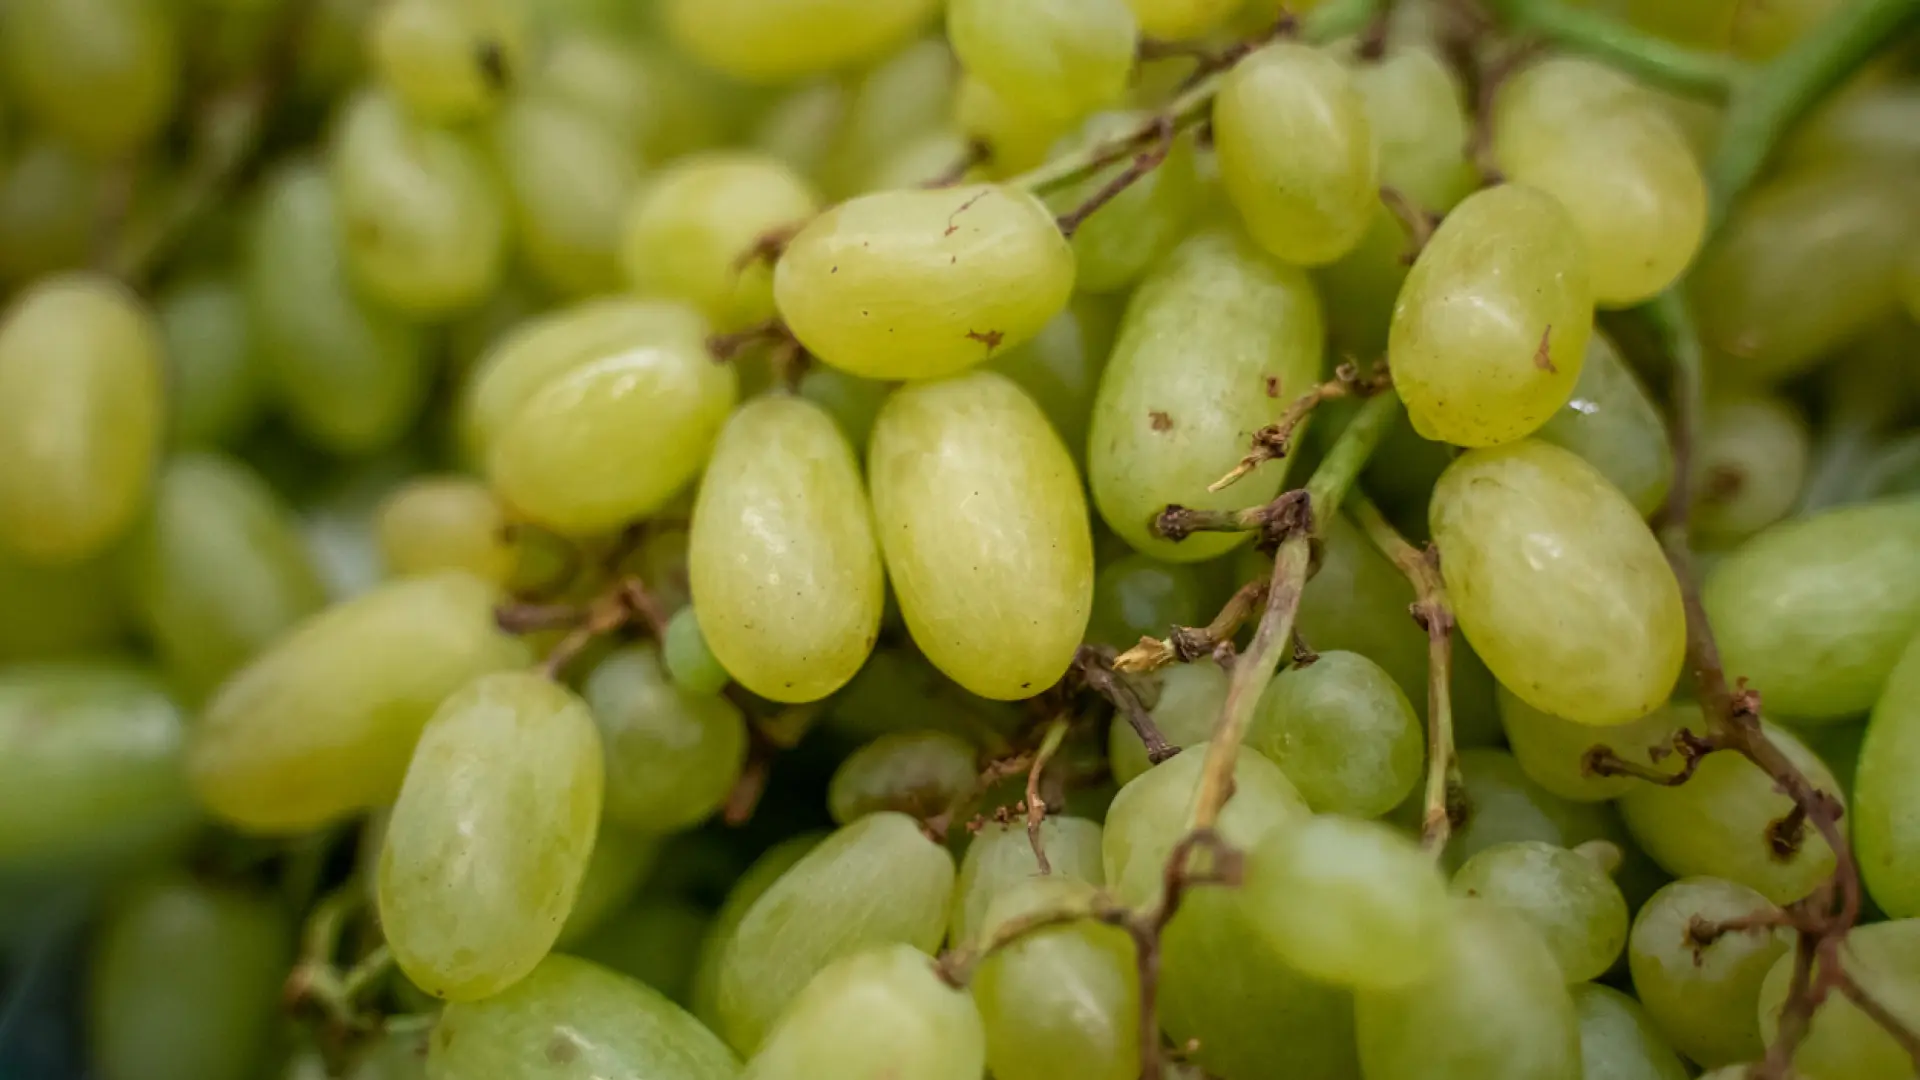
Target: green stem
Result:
[1674, 67]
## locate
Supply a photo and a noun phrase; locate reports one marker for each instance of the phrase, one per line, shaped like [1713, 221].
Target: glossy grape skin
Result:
[1614, 425]
[1491, 328]
[100, 74]
[58, 611]
[918, 773]
[873, 882]
[762, 42]
[671, 755]
[448, 61]
[917, 284]
[1563, 894]
[1750, 463]
[446, 522]
[1843, 1042]
[323, 722]
[1343, 732]
[1618, 1041]
[80, 415]
[1551, 751]
[984, 528]
[574, 1020]
[884, 1011]
[1061, 58]
[689, 661]
[784, 567]
[1123, 240]
[183, 982]
[1703, 998]
[569, 179]
[1000, 857]
[213, 376]
[1886, 829]
[752, 883]
[1063, 1003]
[1815, 611]
[1216, 343]
[1060, 368]
[1190, 701]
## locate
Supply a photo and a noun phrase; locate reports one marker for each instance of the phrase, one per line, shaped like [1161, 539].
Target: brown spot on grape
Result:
[991, 339]
[1160, 420]
[560, 1050]
[963, 208]
[1543, 356]
[492, 61]
[1273, 386]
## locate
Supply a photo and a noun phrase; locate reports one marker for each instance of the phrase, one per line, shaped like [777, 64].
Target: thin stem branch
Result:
[1275, 441]
[1651, 59]
[1037, 806]
[1185, 644]
[1097, 668]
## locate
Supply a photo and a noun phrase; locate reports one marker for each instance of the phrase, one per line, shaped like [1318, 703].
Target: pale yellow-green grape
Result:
[100, 75]
[927, 160]
[184, 981]
[1750, 460]
[59, 611]
[1063, 1003]
[852, 401]
[1297, 153]
[1563, 894]
[1490, 331]
[213, 375]
[491, 834]
[689, 661]
[1122, 240]
[80, 416]
[322, 723]
[918, 773]
[785, 572]
[573, 1020]
[1805, 263]
[569, 178]
[349, 376]
[1560, 586]
[1886, 829]
[1001, 856]
[1492, 1008]
[904, 100]
[1191, 697]
[1593, 139]
[1343, 732]
[597, 415]
[1613, 423]
[217, 569]
[655, 942]
[1138, 596]
[1175, 19]
[1618, 1041]
[1703, 997]
[755, 880]
[672, 755]
[984, 527]
[423, 217]
[917, 284]
[1503, 805]
[1350, 901]
[446, 522]
[49, 199]
[448, 61]
[1815, 611]
[621, 860]
[1016, 139]
[1060, 368]
[1552, 751]
[884, 1011]
[1842, 1042]
[799, 126]
[1217, 342]
[1061, 58]
[690, 232]
[771, 41]
[874, 882]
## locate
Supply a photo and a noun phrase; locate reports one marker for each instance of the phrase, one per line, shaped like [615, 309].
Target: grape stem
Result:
[315, 980]
[1097, 667]
[1036, 806]
[1274, 441]
[1417, 221]
[1642, 55]
[1185, 644]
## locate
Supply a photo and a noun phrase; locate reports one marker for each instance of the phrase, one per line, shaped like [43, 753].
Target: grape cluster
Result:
[874, 539]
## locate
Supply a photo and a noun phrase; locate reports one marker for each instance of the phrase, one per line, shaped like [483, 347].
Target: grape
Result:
[217, 570]
[80, 414]
[1618, 1041]
[768, 41]
[800, 126]
[1343, 733]
[1190, 702]
[184, 982]
[569, 178]
[322, 723]
[1491, 329]
[1216, 343]
[1138, 596]
[1604, 148]
[853, 402]
[903, 100]
[574, 1020]
[853, 284]
[1842, 1042]
[48, 199]
[899, 690]
[1563, 894]
[1702, 997]
[621, 859]
[51, 611]
[1063, 1003]
[689, 661]
[1749, 465]
[1016, 139]
[1125, 238]
[1060, 368]
[691, 230]
[672, 755]
[985, 533]
[1297, 152]
[1867, 119]
[654, 943]
[1552, 751]
[874, 882]
[1883, 823]
[446, 522]
[213, 371]
[448, 61]
[1001, 857]
[880, 1012]
[1503, 805]
[918, 773]
[785, 572]
[1815, 611]
[1613, 424]
[99, 74]
[1062, 58]
[1181, 18]
[1560, 586]
[1493, 1008]
[746, 889]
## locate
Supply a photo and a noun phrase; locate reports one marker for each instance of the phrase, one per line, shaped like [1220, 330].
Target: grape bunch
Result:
[959, 539]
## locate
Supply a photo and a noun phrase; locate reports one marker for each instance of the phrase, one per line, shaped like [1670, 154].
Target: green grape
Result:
[927, 160]
[1060, 58]
[1297, 153]
[1016, 139]
[1191, 699]
[49, 199]
[349, 377]
[323, 722]
[569, 179]
[785, 572]
[1750, 461]
[333, 50]
[213, 364]
[1565, 895]
[884, 1011]
[745, 890]
[852, 401]
[1060, 368]
[1178, 19]
[1503, 805]
[1217, 342]
[852, 285]
[53, 611]
[918, 773]
[1000, 857]
[691, 231]
[184, 982]
[1815, 611]
[658, 99]
[1618, 1040]
[448, 61]
[446, 522]
[1702, 996]
[672, 754]
[1866, 119]
[1886, 831]
[574, 1020]
[1343, 732]
[770, 41]
[100, 75]
[799, 127]
[1063, 1003]
[984, 528]
[1613, 424]
[217, 570]
[423, 218]
[621, 860]
[656, 943]
[1349, 901]
[899, 690]
[1122, 240]
[1552, 751]
[1492, 1008]
[1138, 596]
[689, 661]
[80, 416]
[874, 882]
[902, 100]
[1842, 1042]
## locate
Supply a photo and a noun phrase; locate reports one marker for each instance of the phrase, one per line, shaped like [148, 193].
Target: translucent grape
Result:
[899, 690]
[762, 41]
[51, 611]
[883, 1011]
[1175, 19]
[1703, 997]
[1061, 1004]
[100, 74]
[902, 101]
[1503, 805]
[448, 61]
[1016, 139]
[621, 860]
[1138, 596]
[918, 773]
[446, 522]
[49, 195]
[1122, 240]
[1618, 1041]
[1343, 732]
[1552, 751]
[1000, 857]
[1751, 461]
[656, 943]
[1614, 425]
[1190, 702]
[213, 372]
[672, 754]
[1563, 894]
[1060, 368]
[1843, 1042]
[754, 881]
[569, 179]
[1061, 58]
[1885, 828]
[690, 661]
